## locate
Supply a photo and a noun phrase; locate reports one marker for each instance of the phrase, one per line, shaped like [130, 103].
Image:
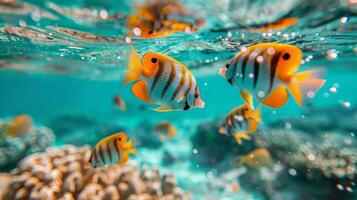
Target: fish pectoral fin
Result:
[277, 98]
[124, 159]
[253, 126]
[163, 109]
[139, 89]
[247, 97]
[241, 135]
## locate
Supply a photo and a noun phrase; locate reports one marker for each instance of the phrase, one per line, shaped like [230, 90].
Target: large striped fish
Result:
[112, 149]
[265, 71]
[241, 121]
[162, 80]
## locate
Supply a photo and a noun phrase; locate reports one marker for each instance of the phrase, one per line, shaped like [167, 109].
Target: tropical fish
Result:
[161, 19]
[119, 102]
[162, 80]
[256, 159]
[165, 130]
[241, 121]
[19, 125]
[112, 149]
[266, 71]
[277, 25]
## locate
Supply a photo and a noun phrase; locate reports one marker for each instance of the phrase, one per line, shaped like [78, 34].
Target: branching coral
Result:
[65, 174]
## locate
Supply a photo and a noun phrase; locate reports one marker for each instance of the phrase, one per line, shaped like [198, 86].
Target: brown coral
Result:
[65, 174]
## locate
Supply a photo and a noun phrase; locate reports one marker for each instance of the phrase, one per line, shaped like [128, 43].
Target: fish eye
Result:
[153, 60]
[227, 65]
[286, 56]
[151, 32]
[119, 138]
[197, 95]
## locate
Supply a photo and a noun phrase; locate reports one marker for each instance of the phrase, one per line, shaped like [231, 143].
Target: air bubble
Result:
[251, 75]
[261, 94]
[331, 54]
[292, 172]
[194, 151]
[127, 40]
[103, 14]
[346, 104]
[137, 31]
[333, 89]
[260, 59]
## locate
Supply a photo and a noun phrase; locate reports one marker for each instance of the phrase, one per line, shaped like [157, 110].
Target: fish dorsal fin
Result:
[133, 71]
[247, 97]
[163, 109]
[277, 98]
[139, 89]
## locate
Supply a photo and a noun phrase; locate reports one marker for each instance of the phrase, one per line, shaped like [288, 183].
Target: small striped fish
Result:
[119, 102]
[165, 130]
[241, 121]
[112, 149]
[265, 71]
[162, 80]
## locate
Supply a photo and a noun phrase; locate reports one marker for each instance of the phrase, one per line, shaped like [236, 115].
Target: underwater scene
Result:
[178, 99]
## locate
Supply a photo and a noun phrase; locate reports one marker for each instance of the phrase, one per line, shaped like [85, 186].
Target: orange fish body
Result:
[112, 149]
[258, 158]
[119, 102]
[19, 125]
[165, 130]
[241, 121]
[267, 71]
[277, 25]
[164, 81]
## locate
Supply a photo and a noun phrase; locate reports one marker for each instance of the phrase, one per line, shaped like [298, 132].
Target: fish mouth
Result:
[199, 103]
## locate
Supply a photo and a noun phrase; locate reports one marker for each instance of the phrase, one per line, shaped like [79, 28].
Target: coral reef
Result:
[309, 163]
[65, 174]
[13, 149]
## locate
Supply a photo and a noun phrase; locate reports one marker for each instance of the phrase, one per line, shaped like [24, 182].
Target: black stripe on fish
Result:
[234, 65]
[244, 65]
[157, 77]
[170, 80]
[109, 152]
[116, 148]
[186, 106]
[256, 72]
[180, 85]
[273, 66]
[101, 153]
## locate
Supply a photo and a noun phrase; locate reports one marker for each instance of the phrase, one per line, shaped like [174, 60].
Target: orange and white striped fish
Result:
[266, 71]
[164, 81]
[241, 121]
[112, 149]
[165, 130]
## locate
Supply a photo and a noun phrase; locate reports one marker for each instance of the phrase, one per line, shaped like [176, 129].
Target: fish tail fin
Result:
[239, 136]
[304, 84]
[257, 114]
[133, 70]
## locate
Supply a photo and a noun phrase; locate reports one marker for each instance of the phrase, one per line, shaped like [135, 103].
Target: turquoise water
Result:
[67, 80]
